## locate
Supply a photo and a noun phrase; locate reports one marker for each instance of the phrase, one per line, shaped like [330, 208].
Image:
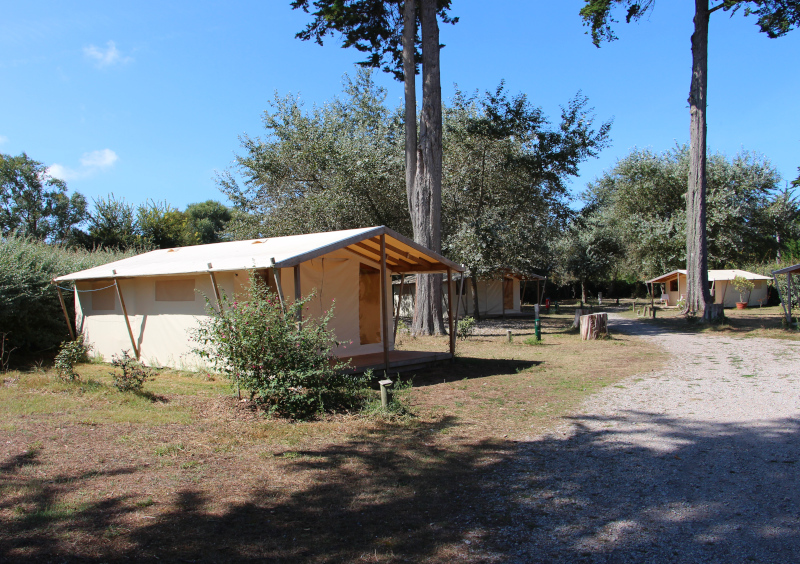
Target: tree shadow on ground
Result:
[470, 368]
[700, 492]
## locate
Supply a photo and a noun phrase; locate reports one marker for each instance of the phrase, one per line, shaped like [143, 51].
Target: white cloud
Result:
[103, 158]
[91, 163]
[106, 57]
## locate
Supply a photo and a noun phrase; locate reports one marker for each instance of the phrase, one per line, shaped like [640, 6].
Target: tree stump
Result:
[578, 314]
[593, 326]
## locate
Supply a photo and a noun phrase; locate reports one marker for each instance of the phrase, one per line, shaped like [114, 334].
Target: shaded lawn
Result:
[190, 473]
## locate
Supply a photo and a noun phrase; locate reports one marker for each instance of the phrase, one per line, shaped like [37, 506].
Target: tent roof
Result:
[712, 275]
[402, 255]
[794, 269]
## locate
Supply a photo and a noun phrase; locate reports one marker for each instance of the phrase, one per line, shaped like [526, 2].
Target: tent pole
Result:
[460, 294]
[276, 272]
[127, 321]
[450, 313]
[216, 289]
[64, 309]
[384, 312]
[297, 292]
[789, 303]
[399, 303]
[783, 305]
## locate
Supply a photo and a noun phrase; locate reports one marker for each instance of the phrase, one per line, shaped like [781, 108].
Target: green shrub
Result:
[30, 312]
[466, 327]
[284, 365]
[743, 285]
[532, 340]
[71, 353]
[133, 376]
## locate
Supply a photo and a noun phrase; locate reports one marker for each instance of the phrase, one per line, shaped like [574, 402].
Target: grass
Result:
[185, 471]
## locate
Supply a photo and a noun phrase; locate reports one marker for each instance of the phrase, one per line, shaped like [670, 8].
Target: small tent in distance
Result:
[719, 283]
[150, 302]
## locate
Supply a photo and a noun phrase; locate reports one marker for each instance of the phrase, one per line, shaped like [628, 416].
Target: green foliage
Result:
[160, 226]
[742, 285]
[71, 353]
[34, 203]
[506, 171]
[131, 375]
[205, 222]
[640, 204]
[29, 308]
[465, 328]
[285, 365]
[532, 341]
[371, 26]
[339, 166]
[112, 225]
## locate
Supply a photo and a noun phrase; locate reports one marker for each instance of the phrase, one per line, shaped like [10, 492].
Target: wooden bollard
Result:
[385, 385]
[509, 337]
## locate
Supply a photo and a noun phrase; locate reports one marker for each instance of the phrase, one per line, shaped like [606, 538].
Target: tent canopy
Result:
[713, 275]
[794, 269]
[402, 255]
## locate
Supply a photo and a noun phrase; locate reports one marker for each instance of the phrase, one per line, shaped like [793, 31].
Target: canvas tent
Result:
[719, 283]
[789, 271]
[149, 303]
[496, 296]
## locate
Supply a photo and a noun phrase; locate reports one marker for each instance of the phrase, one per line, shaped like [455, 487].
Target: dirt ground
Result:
[188, 473]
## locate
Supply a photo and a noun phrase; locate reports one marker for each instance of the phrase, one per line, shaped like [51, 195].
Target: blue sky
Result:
[146, 100]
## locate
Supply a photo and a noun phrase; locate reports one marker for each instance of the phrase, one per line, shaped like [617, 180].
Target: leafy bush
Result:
[285, 365]
[743, 285]
[71, 353]
[134, 374]
[466, 327]
[532, 341]
[29, 308]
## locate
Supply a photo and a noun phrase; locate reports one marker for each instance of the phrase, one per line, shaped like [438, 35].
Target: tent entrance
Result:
[508, 293]
[369, 304]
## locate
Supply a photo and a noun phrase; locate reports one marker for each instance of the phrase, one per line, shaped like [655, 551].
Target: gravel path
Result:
[697, 463]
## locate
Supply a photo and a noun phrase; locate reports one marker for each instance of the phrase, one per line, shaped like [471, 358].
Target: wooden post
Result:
[399, 304]
[64, 309]
[297, 292]
[789, 291]
[450, 312]
[125, 314]
[384, 312]
[276, 272]
[783, 302]
[460, 294]
[216, 289]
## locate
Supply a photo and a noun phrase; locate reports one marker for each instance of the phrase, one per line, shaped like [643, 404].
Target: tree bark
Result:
[698, 297]
[476, 312]
[425, 203]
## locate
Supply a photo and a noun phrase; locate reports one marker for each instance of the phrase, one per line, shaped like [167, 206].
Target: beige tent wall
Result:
[724, 292]
[490, 298]
[162, 329]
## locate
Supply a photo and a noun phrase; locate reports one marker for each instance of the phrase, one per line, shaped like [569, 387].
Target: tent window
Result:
[181, 290]
[104, 299]
[369, 304]
[508, 293]
[673, 285]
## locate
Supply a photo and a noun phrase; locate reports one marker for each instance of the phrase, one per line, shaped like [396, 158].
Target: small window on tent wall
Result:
[176, 290]
[673, 285]
[369, 304]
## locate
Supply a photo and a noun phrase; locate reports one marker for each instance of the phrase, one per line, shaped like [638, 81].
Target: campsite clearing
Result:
[188, 472]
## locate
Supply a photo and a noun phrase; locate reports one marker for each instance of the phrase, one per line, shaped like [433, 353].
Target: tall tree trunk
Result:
[425, 203]
[583, 292]
[476, 310]
[698, 297]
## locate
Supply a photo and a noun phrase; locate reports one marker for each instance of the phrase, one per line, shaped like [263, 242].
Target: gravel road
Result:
[697, 463]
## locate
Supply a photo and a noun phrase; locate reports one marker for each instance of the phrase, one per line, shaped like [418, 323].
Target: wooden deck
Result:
[399, 361]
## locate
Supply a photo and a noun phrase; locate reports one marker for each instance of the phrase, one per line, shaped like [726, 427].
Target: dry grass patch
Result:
[187, 472]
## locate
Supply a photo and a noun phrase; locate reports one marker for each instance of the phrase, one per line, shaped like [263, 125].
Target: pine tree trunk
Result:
[698, 297]
[476, 313]
[426, 199]
[583, 292]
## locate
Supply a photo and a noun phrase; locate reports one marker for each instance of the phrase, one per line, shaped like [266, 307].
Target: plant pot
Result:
[741, 305]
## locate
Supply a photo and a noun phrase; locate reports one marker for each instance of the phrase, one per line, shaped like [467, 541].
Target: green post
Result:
[537, 327]
[556, 305]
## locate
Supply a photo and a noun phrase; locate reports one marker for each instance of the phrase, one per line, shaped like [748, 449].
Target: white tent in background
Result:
[719, 283]
[150, 302]
[500, 295]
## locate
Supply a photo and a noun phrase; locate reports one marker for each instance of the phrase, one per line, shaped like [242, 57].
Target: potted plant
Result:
[743, 285]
